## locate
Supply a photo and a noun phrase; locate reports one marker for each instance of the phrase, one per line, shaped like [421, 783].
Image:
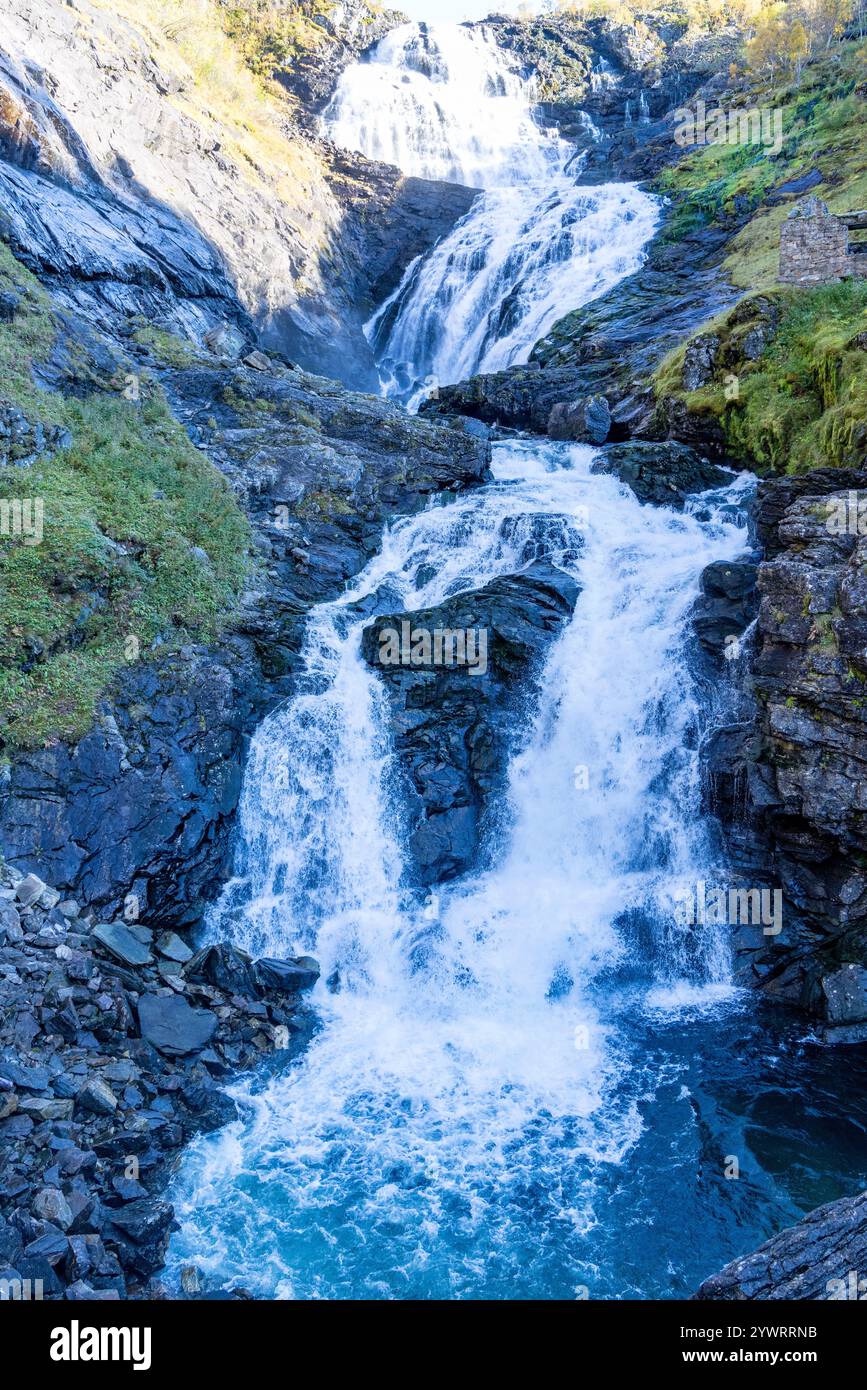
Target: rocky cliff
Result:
[146, 170]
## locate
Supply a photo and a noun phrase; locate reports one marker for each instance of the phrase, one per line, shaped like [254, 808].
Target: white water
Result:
[393, 1159]
[449, 1131]
[443, 103]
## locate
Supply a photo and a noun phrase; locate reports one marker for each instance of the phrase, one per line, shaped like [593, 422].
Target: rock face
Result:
[664, 474]
[131, 195]
[822, 1258]
[353, 27]
[107, 1067]
[454, 725]
[791, 785]
[588, 420]
[143, 804]
[608, 85]
[727, 606]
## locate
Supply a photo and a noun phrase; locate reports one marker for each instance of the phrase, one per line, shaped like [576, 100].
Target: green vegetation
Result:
[802, 403]
[166, 347]
[823, 115]
[143, 541]
[272, 34]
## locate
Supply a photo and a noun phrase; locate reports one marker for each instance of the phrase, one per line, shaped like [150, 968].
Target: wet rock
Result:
[799, 772]
[287, 976]
[610, 347]
[454, 730]
[227, 967]
[144, 1228]
[172, 1026]
[728, 604]
[812, 1260]
[122, 944]
[588, 421]
[143, 805]
[664, 474]
[846, 994]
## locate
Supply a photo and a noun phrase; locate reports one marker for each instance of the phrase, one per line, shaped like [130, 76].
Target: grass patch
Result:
[802, 403]
[823, 122]
[143, 542]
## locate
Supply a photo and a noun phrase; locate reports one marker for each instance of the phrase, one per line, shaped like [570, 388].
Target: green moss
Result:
[323, 504]
[166, 347]
[803, 403]
[142, 539]
[823, 119]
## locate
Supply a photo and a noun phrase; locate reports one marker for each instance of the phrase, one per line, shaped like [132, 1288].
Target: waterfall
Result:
[475, 1099]
[471, 1056]
[443, 102]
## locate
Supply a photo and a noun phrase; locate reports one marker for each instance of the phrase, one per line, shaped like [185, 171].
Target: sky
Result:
[442, 10]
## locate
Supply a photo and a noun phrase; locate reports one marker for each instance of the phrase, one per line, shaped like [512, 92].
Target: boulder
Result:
[727, 606]
[454, 730]
[846, 994]
[699, 360]
[287, 976]
[120, 942]
[225, 967]
[811, 1260]
[587, 421]
[169, 1023]
[662, 473]
[51, 1205]
[95, 1095]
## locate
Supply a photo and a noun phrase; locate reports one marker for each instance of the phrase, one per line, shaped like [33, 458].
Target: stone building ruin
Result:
[815, 245]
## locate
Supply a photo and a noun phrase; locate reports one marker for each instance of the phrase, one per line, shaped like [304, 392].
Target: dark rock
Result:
[699, 360]
[168, 1022]
[812, 1260]
[145, 1226]
[727, 606]
[97, 1097]
[846, 994]
[453, 731]
[794, 798]
[287, 976]
[588, 420]
[226, 967]
[143, 805]
[664, 474]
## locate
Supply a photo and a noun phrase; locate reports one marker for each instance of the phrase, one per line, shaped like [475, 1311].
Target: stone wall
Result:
[814, 246]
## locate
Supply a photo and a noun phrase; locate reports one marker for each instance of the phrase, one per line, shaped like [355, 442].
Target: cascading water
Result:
[446, 1131]
[442, 102]
[513, 1076]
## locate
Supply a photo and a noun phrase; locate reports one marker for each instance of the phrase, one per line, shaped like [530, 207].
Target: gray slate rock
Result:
[172, 1026]
[811, 1260]
[120, 942]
